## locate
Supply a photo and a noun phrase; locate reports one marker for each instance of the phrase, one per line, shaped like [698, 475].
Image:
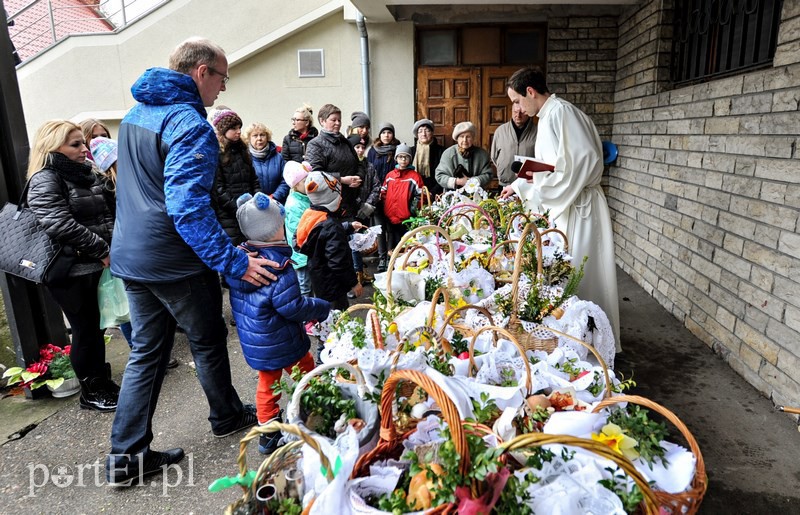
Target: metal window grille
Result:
[712, 38]
[311, 63]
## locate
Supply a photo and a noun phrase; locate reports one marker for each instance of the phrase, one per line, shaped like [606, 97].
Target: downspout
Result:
[365, 85]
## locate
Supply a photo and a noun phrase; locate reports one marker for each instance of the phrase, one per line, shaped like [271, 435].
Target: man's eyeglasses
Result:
[225, 78]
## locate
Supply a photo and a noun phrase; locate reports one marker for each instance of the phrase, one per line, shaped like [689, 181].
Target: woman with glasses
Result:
[302, 131]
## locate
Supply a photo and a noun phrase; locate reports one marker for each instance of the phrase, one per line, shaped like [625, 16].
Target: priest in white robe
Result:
[568, 139]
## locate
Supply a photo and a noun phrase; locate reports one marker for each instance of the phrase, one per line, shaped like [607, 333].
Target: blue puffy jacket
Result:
[270, 318]
[166, 229]
[270, 174]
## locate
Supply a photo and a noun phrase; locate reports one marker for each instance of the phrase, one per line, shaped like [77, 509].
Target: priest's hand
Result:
[507, 192]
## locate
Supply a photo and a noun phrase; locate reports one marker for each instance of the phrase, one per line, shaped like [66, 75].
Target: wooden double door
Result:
[451, 95]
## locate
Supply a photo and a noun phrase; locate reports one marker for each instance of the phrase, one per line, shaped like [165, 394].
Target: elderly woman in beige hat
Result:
[463, 161]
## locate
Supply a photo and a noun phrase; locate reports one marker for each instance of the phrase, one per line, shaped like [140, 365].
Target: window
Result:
[712, 38]
[311, 63]
[483, 45]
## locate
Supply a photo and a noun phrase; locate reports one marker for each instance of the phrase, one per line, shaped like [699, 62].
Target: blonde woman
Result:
[267, 161]
[303, 131]
[93, 128]
[69, 201]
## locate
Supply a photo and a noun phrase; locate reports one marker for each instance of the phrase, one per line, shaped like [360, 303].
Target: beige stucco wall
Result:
[266, 87]
[91, 75]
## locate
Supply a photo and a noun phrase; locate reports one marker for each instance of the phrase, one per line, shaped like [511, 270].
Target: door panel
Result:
[448, 96]
[495, 105]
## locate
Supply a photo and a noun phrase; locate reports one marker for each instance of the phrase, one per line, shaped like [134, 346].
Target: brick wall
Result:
[581, 64]
[705, 197]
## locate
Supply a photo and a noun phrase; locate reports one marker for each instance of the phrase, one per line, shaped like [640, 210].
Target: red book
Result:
[530, 164]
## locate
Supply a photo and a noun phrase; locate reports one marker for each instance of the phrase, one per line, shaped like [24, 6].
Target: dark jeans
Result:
[380, 219]
[77, 297]
[196, 304]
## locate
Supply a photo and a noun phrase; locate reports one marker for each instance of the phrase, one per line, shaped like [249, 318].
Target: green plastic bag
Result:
[112, 300]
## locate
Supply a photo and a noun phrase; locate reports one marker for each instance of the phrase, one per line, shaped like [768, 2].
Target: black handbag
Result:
[26, 250]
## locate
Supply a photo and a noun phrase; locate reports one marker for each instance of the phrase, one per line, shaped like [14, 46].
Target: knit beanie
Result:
[359, 119]
[324, 190]
[225, 120]
[294, 172]
[386, 126]
[355, 139]
[402, 148]
[104, 152]
[259, 216]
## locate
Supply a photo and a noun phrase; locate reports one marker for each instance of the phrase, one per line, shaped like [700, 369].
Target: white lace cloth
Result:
[575, 322]
[363, 241]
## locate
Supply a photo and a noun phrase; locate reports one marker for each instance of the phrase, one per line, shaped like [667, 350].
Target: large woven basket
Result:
[523, 442]
[283, 459]
[390, 445]
[408, 239]
[465, 210]
[687, 502]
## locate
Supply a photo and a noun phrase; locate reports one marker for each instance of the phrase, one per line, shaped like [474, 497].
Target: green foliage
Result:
[636, 423]
[61, 367]
[416, 221]
[624, 384]
[618, 483]
[288, 506]
[459, 343]
[485, 410]
[514, 497]
[431, 285]
[508, 377]
[322, 400]
[345, 324]
[438, 360]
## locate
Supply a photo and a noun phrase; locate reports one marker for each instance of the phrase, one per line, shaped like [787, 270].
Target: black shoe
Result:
[173, 363]
[269, 442]
[383, 265]
[247, 419]
[153, 463]
[95, 395]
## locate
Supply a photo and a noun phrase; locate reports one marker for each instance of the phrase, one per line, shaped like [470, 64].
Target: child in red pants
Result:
[270, 318]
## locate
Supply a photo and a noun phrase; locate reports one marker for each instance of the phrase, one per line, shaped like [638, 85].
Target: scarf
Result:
[72, 171]
[258, 154]
[466, 153]
[385, 150]
[422, 159]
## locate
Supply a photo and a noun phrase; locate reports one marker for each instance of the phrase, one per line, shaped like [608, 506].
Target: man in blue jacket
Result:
[168, 248]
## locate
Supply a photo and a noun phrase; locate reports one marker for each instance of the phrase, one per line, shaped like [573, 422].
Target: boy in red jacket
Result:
[401, 194]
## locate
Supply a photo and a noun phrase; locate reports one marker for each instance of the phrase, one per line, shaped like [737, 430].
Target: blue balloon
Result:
[609, 152]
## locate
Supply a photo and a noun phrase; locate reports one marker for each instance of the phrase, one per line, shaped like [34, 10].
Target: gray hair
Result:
[194, 52]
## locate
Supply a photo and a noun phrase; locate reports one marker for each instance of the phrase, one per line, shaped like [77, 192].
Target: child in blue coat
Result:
[270, 318]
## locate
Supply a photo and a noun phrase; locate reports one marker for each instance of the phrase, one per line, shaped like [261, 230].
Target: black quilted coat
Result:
[235, 177]
[70, 201]
[294, 146]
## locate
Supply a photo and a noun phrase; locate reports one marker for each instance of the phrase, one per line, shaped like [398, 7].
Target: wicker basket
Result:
[490, 256]
[408, 239]
[284, 458]
[461, 328]
[464, 210]
[520, 349]
[521, 443]
[390, 445]
[687, 502]
[537, 340]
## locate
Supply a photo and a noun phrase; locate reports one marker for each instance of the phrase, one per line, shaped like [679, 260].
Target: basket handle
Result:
[608, 391]
[700, 467]
[410, 234]
[560, 232]
[498, 246]
[539, 439]
[509, 336]
[272, 427]
[530, 227]
[441, 292]
[463, 210]
[513, 217]
[407, 254]
[293, 407]
[426, 193]
[491, 204]
[449, 412]
[453, 314]
[371, 318]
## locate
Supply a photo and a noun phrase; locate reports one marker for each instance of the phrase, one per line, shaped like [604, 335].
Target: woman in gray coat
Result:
[463, 161]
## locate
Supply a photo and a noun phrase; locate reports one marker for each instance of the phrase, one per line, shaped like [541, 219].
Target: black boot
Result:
[111, 386]
[95, 395]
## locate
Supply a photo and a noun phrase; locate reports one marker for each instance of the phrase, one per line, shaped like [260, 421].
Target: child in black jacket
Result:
[325, 241]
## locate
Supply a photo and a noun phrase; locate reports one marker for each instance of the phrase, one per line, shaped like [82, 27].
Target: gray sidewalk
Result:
[751, 452]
